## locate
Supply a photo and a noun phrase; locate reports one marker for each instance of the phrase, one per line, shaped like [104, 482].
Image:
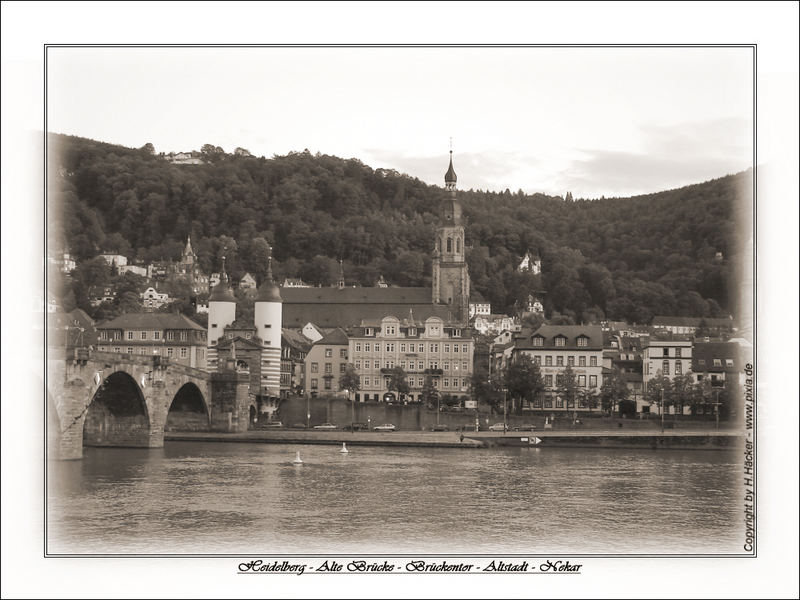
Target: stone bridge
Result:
[112, 399]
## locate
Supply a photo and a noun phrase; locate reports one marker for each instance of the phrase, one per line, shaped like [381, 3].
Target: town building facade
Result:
[664, 356]
[556, 347]
[325, 363]
[173, 336]
[432, 348]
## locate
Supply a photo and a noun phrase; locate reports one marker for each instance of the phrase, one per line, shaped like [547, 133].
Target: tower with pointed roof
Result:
[450, 275]
[268, 315]
[189, 258]
[221, 313]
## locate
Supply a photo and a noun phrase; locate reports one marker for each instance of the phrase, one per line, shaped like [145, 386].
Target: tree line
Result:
[669, 253]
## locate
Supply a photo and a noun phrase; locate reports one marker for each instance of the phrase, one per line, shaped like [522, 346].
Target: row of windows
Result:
[548, 380]
[342, 353]
[582, 341]
[181, 352]
[392, 330]
[548, 361]
[414, 382]
[328, 367]
[155, 335]
[717, 362]
[665, 369]
[412, 347]
[413, 365]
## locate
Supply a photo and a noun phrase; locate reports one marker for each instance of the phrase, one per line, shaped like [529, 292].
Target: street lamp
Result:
[352, 412]
[308, 411]
[505, 412]
[662, 409]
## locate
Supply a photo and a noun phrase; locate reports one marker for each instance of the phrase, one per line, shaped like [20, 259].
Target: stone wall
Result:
[230, 401]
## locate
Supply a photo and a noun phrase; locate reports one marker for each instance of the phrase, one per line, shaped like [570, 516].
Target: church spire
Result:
[450, 177]
[341, 275]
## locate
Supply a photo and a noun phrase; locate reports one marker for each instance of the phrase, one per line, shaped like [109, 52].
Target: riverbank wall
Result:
[682, 440]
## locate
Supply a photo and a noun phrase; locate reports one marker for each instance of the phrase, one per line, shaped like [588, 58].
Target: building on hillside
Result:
[247, 282]
[192, 157]
[489, 324]
[554, 348]
[381, 283]
[534, 305]
[432, 348]
[139, 270]
[478, 305]
[668, 357]
[254, 346]
[63, 262]
[325, 363]
[690, 325]
[294, 282]
[151, 299]
[530, 263]
[447, 298]
[114, 260]
[169, 335]
[188, 268]
[99, 294]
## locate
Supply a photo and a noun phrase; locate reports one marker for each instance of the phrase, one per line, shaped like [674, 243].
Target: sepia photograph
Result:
[398, 308]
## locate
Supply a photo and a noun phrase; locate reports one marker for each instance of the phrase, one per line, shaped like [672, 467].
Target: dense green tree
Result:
[614, 390]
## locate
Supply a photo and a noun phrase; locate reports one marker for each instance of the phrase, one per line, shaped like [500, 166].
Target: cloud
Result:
[489, 170]
[672, 157]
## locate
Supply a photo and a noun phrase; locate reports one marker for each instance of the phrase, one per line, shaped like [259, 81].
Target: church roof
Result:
[358, 295]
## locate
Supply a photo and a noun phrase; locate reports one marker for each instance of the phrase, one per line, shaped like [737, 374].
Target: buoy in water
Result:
[297, 460]
[344, 449]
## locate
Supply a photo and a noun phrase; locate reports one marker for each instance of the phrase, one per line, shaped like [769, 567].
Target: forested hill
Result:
[624, 258]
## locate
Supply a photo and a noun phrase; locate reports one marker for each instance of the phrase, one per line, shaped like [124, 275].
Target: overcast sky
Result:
[594, 121]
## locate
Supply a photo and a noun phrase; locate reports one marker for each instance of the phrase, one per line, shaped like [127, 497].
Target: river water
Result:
[202, 498]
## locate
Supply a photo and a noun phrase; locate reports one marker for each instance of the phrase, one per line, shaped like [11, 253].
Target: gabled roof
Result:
[296, 339]
[337, 337]
[150, 321]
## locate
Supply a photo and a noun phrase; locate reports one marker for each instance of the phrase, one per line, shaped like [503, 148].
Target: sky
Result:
[593, 121]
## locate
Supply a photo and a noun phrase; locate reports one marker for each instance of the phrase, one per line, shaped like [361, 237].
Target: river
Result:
[203, 498]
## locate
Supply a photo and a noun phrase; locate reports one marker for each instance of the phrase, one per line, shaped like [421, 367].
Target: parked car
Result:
[356, 427]
[274, 424]
[299, 426]
[326, 426]
[525, 427]
[498, 427]
[384, 427]
[440, 428]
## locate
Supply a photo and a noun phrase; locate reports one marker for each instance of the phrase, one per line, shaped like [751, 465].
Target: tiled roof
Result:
[296, 339]
[359, 295]
[570, 332]
[337, 337]
[353, 314]
[708, 351]
[150, 321]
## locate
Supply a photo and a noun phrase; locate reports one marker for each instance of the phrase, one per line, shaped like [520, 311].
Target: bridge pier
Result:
[230, 401]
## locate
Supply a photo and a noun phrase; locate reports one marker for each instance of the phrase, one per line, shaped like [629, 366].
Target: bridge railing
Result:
[149, 360]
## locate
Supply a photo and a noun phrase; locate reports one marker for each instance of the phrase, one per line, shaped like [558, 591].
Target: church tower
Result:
[268, 317]
[221, 313]
[450, 275]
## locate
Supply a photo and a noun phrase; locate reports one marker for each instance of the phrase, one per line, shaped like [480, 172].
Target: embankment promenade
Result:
[592, 438]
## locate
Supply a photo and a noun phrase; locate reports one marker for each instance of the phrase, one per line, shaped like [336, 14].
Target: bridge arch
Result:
[188, 410]
[117, 414]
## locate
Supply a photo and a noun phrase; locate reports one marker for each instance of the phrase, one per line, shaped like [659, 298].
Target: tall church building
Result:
[450, 274]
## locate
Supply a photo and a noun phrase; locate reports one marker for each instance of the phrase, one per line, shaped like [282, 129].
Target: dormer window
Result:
[538, 341]
[412, 331]
[717, 362]
[369, 331]
[561, 341]
[583, 341]
[729, 362]
[456, 333]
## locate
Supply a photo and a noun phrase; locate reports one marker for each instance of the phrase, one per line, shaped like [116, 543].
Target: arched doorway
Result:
[188, 410]
[117, 415]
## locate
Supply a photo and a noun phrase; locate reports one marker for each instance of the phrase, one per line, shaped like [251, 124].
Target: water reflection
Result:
[250, 498]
